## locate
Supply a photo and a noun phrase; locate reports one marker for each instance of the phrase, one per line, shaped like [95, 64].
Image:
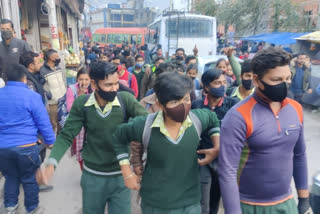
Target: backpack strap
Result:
[130, 80]
[197, 123]
[123, 108]
[74, 90]
[147, 134]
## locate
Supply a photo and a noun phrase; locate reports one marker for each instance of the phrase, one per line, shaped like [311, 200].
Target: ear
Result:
[93, 85]
[255, 80]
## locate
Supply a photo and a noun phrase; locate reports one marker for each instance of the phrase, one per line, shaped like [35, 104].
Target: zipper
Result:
[277, 118]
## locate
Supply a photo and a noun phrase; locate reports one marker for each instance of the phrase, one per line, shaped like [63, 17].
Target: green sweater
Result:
[98, 153]
[171, 177]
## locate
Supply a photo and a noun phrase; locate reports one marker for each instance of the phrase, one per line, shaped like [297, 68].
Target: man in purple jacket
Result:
[263, 146]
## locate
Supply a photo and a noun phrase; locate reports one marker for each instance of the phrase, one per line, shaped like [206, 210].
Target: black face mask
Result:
[57, 62]
[6, 35]
[247, 84]
[108, 96]
[193, 78]
[275, 93]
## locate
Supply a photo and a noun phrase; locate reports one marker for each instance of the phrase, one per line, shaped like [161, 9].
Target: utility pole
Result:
[53, 26]
[6, 9]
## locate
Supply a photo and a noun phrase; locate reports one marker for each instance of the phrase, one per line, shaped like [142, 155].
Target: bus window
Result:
[115, 38]
[189, 28]
[126, 38]
[96, 37]
[133, 38]
[103, 38]
[139, 40]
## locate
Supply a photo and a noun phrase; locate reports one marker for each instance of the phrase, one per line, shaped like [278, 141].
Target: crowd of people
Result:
[137, 121]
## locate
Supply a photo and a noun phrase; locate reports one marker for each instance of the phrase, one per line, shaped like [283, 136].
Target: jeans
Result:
[19, 166]
[210, 189]
[97, 191]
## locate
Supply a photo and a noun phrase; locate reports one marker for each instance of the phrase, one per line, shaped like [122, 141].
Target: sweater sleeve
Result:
[134, 85]
[300, 169]
[233, 136]
[125, 133]
[71, 129]
[236, 67]
[41, 118]
[134, 108]
[210, 122]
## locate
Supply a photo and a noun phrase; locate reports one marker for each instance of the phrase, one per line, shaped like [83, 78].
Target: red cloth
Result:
[134, 83]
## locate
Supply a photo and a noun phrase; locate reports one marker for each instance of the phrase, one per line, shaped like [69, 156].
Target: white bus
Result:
[183, 30]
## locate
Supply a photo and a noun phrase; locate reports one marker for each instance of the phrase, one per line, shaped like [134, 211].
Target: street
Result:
[66, 196]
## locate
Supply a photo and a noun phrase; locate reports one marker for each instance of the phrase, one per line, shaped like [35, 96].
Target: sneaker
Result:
[12, 210]
[38, 210]
[45, 188]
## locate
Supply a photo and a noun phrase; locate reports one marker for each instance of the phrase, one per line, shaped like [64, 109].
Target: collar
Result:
[93, 102]
[206, 102]
[259, 97]
[17, 83]
[159, 123]
[125, 71]
[237, 94]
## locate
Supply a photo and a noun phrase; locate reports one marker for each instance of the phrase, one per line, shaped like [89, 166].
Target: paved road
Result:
[66, 196]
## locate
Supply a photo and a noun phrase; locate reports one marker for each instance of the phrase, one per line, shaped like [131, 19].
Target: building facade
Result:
[31, 20]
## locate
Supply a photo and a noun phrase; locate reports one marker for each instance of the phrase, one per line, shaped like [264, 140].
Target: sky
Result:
[162, 4]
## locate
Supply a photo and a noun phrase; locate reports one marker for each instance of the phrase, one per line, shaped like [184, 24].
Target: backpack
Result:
[147, 132]
[62, 110]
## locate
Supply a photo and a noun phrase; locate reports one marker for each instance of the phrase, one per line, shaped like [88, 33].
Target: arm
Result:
[236, 67]
[233, 136]
[124, 134]
[71, 129]
[42, 121]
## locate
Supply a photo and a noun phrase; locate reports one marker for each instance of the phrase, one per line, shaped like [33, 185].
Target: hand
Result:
[210, 155]
[48, 173]
[41, 177]
[310, 91]
[138, 170]
[228, 51]
[304, 206]
[195, 50]
[133, 182]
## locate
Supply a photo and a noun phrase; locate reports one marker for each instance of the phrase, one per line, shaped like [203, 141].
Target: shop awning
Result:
[276, 38]
[312, 37]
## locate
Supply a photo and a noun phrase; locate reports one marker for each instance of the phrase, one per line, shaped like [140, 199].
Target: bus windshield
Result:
[189, 27]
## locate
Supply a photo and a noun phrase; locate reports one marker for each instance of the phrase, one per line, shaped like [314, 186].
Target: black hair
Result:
[164, 67]
[221, 60]
[7, 21]
[116, 52]
[83, 70]
[126, 53]
[16, 72]
[210, 75]
[130, 62]
[99, 70]
[159, 48]
[172, 86]
[27, 58]
[48, 53]
[180, 49]
[159, 58]
[302, 53]
[246, 67]
[178, 66]
[138, 56]
[116, 57]
[269, 58]
[123, 60]
[189, 58]
[192, 67]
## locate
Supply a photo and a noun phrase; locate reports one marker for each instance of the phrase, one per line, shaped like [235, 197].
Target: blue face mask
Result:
[139, 65]
[218, 92]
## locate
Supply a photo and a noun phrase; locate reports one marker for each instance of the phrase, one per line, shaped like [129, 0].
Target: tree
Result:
[207, 7]
[250, 17]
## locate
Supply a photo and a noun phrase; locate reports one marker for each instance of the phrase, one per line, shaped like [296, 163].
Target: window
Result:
[133, 38]
[114, 38]
[128, 17]
[116, 17]
[189, 28]
[154, 32]
[139, 40]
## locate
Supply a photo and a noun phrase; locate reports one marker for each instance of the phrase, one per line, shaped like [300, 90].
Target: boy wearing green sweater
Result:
[100, 113]
[170, 182]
